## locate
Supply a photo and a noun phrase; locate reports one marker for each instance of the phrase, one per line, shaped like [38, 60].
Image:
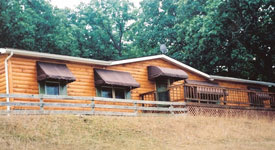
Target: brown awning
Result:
[204, 87]
[50, 71]
[115, 78]
[156, 72]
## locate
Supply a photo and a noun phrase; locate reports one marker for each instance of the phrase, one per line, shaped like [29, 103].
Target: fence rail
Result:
[46, 104]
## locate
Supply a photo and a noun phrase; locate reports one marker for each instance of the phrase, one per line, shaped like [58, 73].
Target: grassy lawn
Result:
[164, 132]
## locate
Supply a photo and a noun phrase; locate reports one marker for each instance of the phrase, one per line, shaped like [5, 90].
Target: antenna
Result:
[163, 49]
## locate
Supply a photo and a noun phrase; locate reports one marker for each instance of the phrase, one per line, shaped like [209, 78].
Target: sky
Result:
[73, 3]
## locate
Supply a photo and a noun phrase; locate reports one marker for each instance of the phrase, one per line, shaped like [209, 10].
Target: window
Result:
[162, 85]
[53, 78]
[113, 92]
[120, 93]
[106, 92]
[52, 88]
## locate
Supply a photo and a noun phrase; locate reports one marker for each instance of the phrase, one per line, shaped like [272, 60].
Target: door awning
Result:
[156, 72]
[204, 87]
[114, 78]
[51, 71]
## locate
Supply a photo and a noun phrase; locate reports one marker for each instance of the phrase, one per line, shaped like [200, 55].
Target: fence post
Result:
[93, 105]
[136, 111]
[8, 102]
[142, 98]
[41, 103]
[184, 92]
[171, 111]
[224, 96]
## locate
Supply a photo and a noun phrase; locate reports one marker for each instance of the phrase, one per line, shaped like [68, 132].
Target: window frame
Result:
[106, 88]
[127, 91]
[168, 82]
[62, 87]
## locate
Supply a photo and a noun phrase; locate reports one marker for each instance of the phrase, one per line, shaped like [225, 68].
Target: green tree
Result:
[105, 24]
[231, 38]
[252, 25]
[35, 25]
[155, 26]
[223, 37]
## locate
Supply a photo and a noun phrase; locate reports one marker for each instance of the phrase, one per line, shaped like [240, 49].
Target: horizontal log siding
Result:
[24, 79]
[2, 79]
[84, 84]
[2, 74]
[139, 71]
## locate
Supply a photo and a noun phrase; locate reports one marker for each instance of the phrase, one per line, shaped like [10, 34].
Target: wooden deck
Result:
[216, 96]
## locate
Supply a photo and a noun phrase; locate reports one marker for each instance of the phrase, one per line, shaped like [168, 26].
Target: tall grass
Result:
[105, 132]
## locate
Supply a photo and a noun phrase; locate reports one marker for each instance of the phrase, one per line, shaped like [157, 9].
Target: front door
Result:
[162, 90]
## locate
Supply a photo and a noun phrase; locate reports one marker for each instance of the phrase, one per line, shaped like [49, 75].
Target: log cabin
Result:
[157, 78]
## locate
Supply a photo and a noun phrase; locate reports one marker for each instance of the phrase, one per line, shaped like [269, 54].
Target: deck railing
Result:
[200, 94]
[50, 104]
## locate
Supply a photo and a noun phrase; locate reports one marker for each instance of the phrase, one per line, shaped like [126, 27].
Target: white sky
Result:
[73, 3]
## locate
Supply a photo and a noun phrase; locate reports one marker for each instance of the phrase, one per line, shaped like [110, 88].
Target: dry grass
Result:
[103, 132]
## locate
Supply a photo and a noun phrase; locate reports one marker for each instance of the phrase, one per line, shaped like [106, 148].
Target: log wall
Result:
[139, 71]
[2, 78]
[23, 77]
[2, 74]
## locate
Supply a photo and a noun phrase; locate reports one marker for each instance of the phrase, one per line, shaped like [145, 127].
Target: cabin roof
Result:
[164, 57]
[53, 56]
[101, 62]
[126, 61]
[239, 80]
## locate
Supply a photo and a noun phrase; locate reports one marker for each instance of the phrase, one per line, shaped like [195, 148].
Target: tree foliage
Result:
[223, 37]
[35, 25]
[105, 23]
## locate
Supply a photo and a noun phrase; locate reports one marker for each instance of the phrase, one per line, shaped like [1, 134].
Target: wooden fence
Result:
[42, 104]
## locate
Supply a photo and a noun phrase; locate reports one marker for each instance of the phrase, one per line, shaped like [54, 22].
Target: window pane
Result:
[63, 89]
[106, 92]
[52, 88]
[162, 85]
[162, 92]
[120, 93]
[128, 94]
[41, 87]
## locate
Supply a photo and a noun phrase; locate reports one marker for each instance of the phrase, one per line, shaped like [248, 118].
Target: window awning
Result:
[50, 71]
[156, 72]
[114, 78]
[204, 87]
